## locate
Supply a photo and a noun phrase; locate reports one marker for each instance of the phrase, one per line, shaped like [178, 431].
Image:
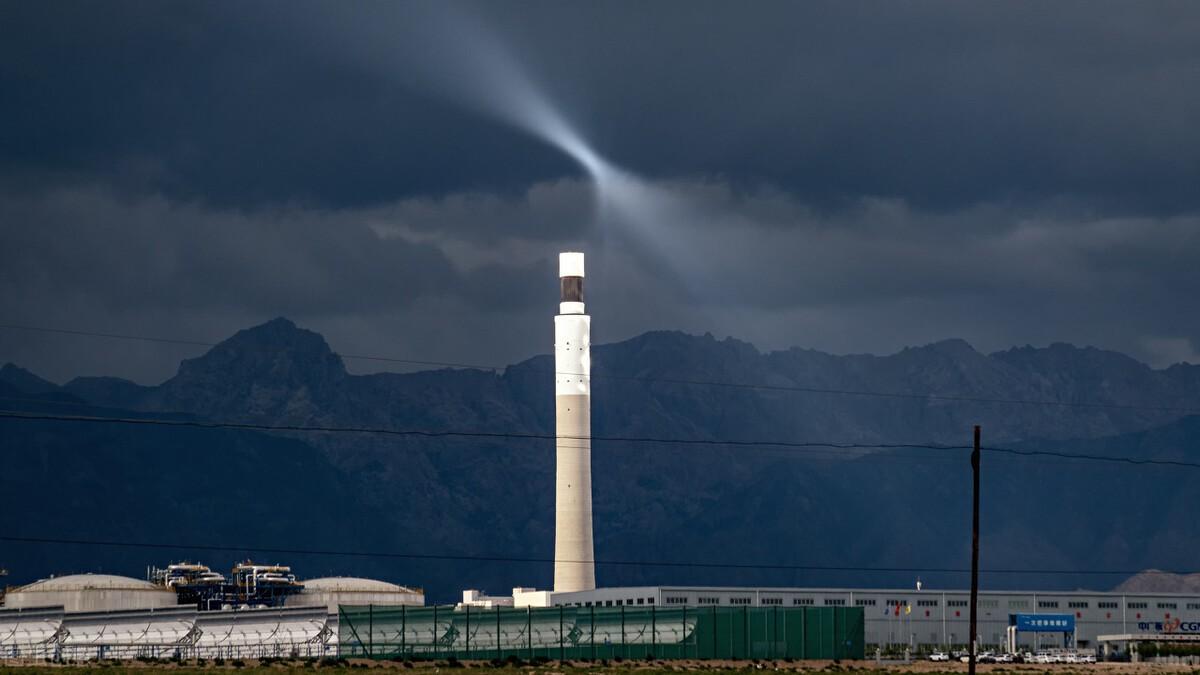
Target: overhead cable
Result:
[451, 433]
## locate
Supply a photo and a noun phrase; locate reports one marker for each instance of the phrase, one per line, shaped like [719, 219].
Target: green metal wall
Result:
[576, 633]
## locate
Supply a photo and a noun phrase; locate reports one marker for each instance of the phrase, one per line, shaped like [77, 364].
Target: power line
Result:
[1096, 458]
[665, 380]
[422, 433]
[812, 453]
[544, 560]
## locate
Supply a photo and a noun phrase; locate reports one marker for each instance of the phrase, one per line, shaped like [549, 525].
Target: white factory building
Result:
[922, 619]
[333, 591]
[91, 593]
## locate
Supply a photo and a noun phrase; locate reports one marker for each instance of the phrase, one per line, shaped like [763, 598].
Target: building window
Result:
[710, 601]
[739, 601]
[992, 604]
[1077, 604]
[649, 601]
[1107, 604]
[956, 603]
[802, 601]
[772, 601]
[608, 603]
[1136, 605]
[640, 601]
[865, 602]
[893, 603]
[927, 603]
[676, 599]
[1166, 605]
[835, 601]
[1047, 604]
[1018, 604]
[1193, 605]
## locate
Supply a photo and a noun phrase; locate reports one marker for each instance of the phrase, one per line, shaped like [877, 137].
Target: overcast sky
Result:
[400, 176]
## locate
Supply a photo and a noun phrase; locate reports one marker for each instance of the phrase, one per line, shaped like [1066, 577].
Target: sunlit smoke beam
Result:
[484, 76]
[651, 217]
[489, 79]
[659, 223]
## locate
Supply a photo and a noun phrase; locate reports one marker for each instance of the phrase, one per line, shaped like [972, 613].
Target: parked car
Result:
[939, 656]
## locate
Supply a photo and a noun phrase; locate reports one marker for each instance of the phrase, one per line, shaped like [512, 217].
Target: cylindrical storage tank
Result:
[334, 591]
[91, 593]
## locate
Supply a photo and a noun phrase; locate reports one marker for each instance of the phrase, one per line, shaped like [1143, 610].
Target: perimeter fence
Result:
[581, 633]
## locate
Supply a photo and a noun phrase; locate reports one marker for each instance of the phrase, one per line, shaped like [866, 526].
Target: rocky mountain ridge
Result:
[280, 373]
[654, 501]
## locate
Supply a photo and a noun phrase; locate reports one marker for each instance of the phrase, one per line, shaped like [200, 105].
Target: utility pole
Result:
[974, 553]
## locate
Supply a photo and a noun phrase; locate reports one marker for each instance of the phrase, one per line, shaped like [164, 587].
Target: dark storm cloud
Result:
[151, 253]
[226, 104]
[851, 177]
[941, 104]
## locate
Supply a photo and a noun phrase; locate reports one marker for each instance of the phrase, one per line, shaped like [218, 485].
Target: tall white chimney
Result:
[574, 559]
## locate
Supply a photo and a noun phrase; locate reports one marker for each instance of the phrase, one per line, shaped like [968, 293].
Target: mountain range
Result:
[216, 494]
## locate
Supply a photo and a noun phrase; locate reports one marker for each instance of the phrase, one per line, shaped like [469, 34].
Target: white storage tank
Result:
[334, 591]
[91, 593]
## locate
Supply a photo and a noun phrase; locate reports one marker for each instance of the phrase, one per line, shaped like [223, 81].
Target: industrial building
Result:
[196, 585]
[95, 616]
[926, 619]
[186, 610]
[331, 592]
[248, 584]
[91, 593]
